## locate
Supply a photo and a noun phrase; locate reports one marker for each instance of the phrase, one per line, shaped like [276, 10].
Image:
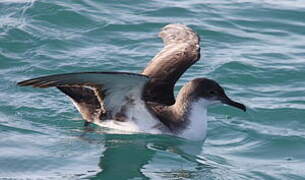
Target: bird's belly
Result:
[138, 119]
[128, 126]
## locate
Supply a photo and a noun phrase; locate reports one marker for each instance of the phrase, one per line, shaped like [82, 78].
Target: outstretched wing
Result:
[181, 50]
[96, 95]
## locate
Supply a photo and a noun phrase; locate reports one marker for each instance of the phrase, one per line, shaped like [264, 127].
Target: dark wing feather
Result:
[95, 94]
[181, 50]
[86, 102]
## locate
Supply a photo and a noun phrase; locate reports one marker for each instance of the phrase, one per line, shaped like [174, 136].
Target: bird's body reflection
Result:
[138, 156]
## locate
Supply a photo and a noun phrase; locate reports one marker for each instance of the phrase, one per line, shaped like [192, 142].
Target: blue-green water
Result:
[255, 49]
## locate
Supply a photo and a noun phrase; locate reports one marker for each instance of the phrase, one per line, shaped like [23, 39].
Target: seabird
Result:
[145, 102]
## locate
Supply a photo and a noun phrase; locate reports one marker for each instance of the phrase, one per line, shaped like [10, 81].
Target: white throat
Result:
[197, 116]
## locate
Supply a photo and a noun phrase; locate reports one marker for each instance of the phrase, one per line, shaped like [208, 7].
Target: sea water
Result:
[254, 49]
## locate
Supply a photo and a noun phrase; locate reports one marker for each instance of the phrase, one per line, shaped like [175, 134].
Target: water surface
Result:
[255, 49]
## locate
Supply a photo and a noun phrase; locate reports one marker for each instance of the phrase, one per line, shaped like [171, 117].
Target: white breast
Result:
[197, 128]
[139, 120]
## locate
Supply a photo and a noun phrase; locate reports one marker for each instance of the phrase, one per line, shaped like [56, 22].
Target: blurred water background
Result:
[255, 49]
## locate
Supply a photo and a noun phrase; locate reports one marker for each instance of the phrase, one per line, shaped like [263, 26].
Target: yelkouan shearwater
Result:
[145, 102]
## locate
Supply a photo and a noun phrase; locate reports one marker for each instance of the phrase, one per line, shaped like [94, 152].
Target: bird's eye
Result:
[212, 92]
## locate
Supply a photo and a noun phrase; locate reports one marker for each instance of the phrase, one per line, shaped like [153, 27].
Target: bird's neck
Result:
[194, 120]
[190, 114]
[183, 101]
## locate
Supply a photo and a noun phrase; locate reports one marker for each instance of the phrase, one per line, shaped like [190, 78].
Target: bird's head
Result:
[213, 93]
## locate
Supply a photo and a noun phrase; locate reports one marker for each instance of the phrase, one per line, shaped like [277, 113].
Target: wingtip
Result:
[34, 83]
[179, 33]
[22, 83]
[19, 83]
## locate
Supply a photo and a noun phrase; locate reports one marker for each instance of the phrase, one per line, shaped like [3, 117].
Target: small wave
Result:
[17, 1]
[286, 3]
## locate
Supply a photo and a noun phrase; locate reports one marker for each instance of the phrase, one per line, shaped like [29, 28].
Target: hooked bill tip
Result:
[235, 104]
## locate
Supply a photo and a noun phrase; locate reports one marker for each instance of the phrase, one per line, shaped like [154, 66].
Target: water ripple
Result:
[255, 49]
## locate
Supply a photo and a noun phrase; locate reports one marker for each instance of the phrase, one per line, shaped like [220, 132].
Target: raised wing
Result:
[181, 50]
[96, 95]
